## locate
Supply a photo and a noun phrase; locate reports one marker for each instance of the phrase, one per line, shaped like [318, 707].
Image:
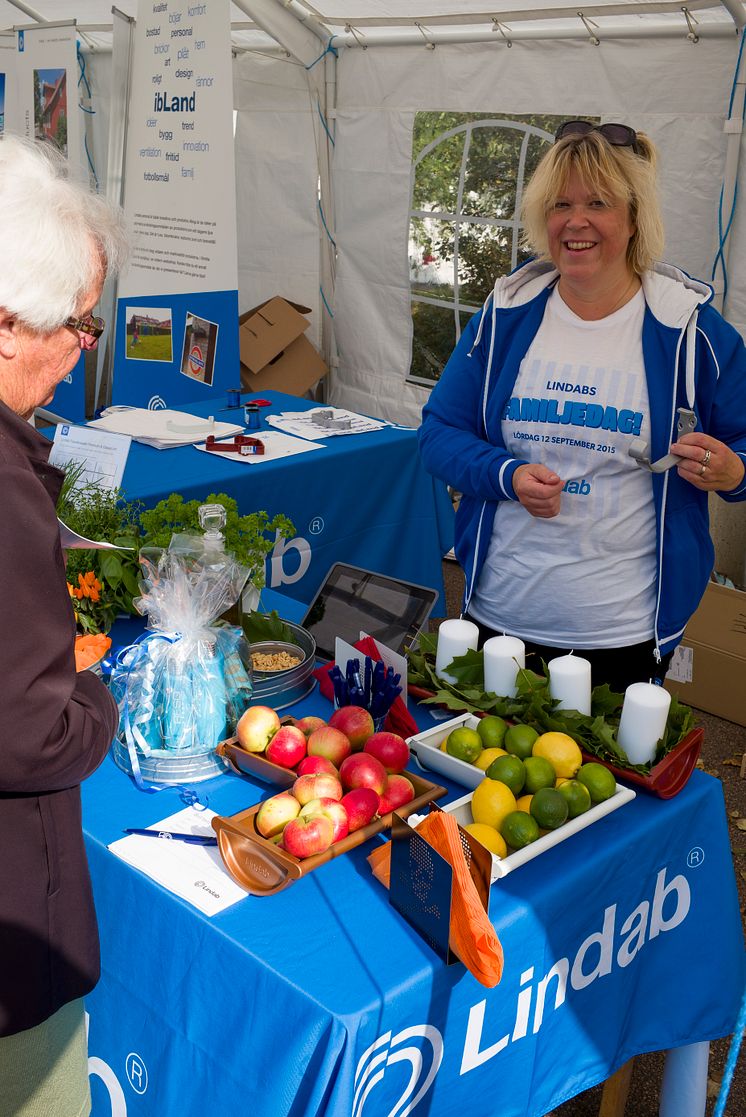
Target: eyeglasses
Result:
[94, 327]
[618, 135]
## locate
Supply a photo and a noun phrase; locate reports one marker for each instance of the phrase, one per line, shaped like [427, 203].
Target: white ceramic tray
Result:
[425, 748]
[501, 866]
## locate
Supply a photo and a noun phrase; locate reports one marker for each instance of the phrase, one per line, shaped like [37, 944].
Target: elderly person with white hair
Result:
[59, 242]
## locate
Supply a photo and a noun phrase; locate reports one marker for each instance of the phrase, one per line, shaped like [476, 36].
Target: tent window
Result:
[464, 229]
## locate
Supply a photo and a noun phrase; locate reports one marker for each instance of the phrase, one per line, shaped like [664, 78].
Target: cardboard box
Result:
[708, 670]
[274, 353]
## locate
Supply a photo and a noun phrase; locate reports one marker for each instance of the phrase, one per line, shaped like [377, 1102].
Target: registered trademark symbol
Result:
[316, 525]
[695, 857]
[137, 1073]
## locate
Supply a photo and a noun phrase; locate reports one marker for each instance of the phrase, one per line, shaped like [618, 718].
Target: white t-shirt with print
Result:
[587, 577]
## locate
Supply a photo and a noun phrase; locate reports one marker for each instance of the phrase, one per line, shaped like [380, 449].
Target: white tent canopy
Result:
[328, 96]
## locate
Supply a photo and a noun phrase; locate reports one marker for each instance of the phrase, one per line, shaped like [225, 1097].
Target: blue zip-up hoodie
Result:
[693, 358]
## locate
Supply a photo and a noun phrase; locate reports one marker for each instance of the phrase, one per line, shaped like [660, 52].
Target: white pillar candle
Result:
[455, 637]
[643, 721]
[570, 682]
[503, 658]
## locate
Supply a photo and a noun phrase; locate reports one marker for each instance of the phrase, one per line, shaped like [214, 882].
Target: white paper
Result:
[195, 873]
[163, 429]
[681, 667]
[71, 541]
[276, 446]
[304, 425]
[103, 453]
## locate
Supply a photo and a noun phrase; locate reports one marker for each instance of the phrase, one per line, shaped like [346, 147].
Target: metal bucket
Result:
[169, 766]
[279, 689]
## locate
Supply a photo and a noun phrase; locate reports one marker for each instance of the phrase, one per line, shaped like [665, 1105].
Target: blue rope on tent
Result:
[323, 221]
[329, 310]
[329, 50]
[730, 1063]
[723, 235]
[325, 125]
[84, 108]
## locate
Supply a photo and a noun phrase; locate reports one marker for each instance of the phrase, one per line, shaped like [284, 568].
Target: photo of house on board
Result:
[149, 333]
[50, 107]
[198, 354]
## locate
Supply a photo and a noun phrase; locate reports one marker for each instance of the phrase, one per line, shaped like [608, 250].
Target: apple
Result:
[287, 747]
[308, 724]
[396, 793]
[255, 727]
[356, 724]
[316, 785]
[361, 806]
[307, 837]
[331, 809]
[362, 770]
[391, 749]
[329, 742]
[276, 812]
[311, 764]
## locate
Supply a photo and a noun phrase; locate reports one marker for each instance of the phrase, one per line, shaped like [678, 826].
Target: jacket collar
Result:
[34, 447]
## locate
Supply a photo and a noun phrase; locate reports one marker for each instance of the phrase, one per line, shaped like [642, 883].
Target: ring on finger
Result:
[706, 458]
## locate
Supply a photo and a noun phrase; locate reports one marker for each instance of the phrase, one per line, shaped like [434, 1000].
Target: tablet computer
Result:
[352, 600]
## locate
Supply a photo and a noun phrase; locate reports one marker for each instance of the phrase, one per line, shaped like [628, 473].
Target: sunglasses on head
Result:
[618, 135]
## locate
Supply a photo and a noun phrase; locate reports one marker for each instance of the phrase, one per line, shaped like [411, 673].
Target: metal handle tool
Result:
[640, 450]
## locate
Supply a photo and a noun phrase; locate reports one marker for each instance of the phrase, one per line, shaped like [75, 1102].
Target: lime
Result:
[486, 757]
[599, 781]
[464, 744]
[524, 803]
[508, 770]
[561, 751]
[492, 730]
[519, 829]
[577, 797]
[539, 773]
[491, 802]
[519, 740]
[489, 837]
[549, 808]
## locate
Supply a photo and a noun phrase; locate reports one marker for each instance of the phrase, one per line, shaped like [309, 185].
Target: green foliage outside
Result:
[493, 178]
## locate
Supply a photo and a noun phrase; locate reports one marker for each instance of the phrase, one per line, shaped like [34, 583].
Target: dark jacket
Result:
[55, 729]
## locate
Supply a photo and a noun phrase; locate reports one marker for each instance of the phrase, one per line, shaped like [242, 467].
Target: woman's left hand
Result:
[709, 465]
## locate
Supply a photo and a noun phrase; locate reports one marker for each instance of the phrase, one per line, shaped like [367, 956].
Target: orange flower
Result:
[89, 586]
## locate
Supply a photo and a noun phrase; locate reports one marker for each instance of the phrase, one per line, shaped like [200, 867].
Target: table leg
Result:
[616, 1089]
[684, 1087]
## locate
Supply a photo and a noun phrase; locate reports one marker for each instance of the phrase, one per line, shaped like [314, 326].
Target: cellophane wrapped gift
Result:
[183, 686]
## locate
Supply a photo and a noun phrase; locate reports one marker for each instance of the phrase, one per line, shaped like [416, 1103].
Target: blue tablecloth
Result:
[363, 499]
[321, 1000]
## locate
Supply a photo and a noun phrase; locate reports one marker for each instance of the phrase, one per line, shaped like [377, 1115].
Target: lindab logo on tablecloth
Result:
[617, 944]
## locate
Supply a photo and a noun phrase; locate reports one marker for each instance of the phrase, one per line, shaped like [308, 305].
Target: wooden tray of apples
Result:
[342, 781]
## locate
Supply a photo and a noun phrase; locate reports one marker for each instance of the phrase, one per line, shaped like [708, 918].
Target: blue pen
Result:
[168, 835]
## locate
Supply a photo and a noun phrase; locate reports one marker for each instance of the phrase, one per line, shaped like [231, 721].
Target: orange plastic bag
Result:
[473, 938]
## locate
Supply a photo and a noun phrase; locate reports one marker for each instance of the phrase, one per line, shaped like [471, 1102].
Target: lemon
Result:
[599, 781]
[577, 796]
[486, 757]
[549, 808]
[488, 837]
[519, 829]
[524, 803]
[464, 744]
[519, 740]
[509, 770]
[491, 802]
[561, 752]
[492, 730]
[539, 773]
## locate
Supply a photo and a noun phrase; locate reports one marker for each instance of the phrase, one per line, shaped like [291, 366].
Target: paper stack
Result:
[163, 429]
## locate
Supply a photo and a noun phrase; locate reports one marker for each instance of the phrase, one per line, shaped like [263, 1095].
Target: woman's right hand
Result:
[538, 489]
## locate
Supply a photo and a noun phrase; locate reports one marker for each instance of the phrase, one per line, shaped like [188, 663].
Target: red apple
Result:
[287, 747]
[308, 724]
[255, 727]
[361, 806]
[396, 793]
[316, 785]
[362, 770]
[275, 813]
[330, 743]
[307, 837]
[391, 749]
[331, 809]
[311, 764]
[356, 724]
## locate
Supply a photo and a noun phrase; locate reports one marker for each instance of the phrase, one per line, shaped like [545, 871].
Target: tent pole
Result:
[733, 128]
[302, 41]
[736, 10]
[652, 29]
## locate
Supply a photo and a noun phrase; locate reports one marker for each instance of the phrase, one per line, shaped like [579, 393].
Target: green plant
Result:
[250, 538]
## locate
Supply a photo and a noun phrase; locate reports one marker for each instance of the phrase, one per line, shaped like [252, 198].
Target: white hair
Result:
[57, 237]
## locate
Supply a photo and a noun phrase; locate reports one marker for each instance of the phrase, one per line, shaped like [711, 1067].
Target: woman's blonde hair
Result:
[616, 174]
